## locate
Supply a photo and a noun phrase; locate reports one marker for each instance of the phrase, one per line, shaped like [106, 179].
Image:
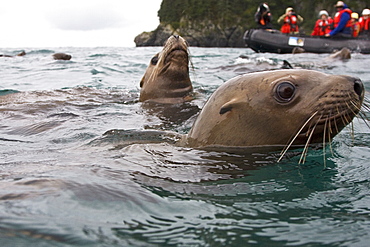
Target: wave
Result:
[42, 51]
[8, 91]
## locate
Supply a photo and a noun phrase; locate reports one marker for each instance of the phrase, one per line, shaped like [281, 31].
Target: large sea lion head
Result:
[281, 107]
[166, 79]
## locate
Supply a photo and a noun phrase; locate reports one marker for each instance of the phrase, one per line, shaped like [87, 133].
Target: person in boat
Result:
[323, 25]
[342, 21]
[263, 17]
[290, 21]
[355, 25]
[364, 22]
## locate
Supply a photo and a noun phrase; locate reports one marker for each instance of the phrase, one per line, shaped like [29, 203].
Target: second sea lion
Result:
[166, 79]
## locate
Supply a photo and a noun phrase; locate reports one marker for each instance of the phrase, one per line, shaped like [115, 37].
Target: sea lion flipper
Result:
[286, 65]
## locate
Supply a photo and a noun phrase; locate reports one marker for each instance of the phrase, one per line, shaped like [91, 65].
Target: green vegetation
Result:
[228, 13]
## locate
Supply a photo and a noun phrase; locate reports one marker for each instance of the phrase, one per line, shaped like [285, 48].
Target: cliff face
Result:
[222, 23]
[210, 35]
[205, 23]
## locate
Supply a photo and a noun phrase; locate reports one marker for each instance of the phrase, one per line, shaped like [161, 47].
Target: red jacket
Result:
[322, 27]
[290, 24]
[364, 24]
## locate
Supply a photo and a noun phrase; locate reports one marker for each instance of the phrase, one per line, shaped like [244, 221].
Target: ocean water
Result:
[67, 178]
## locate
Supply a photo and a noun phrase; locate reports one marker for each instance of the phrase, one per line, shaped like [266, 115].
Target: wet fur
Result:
[166, 79]
[244, 111]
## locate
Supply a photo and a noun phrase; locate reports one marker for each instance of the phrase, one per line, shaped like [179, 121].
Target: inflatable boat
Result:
[274, 41]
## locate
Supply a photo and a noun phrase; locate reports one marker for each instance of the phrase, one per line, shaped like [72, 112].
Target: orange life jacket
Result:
[365, 24]
[338, 15]
[290, 24]
[355, 29]
[322, 27]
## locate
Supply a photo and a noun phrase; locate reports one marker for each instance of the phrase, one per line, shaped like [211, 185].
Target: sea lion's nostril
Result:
[358, 87]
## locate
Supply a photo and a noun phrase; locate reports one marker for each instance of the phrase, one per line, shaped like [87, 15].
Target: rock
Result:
[61, 56]
[155, 38]
[205, 34]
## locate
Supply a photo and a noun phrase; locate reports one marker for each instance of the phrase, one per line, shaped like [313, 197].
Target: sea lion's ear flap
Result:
[225, 109]
[228, 106]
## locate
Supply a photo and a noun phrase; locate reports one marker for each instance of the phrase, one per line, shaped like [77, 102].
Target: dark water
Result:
[68, 178]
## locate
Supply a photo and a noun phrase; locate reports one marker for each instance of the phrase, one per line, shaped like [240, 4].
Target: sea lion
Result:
[328, 62]
[342, 54]
[247, 67]
[22, 53]
[61, 56]
[166, 80]
[281, 107]
[298, 50]
[277, 109]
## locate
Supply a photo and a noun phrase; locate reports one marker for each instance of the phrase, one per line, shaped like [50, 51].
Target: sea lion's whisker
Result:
[349, 121]
[355, 106]
[365, 106]
[323, 141]
[329, 137]
[330, 130]
[349, 105]
[329, 127]
[305, 149]
[366, 102]
[341, 116]
[336, 126]
[309, 128]
[283, 152]
[345, 119]
[365, 109]
[364, 118]
[353, 131]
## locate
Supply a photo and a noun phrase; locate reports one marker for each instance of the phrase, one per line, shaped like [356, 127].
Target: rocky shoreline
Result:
[204, 34]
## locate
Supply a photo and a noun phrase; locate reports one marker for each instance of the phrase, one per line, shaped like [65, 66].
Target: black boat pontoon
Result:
[274, 41]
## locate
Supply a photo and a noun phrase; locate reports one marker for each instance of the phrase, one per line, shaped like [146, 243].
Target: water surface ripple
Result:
[70, 176]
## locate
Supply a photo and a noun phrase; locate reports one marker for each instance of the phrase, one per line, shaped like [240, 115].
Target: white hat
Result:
[288, 9]
[323, 12]
[366, 12]
[339, 4]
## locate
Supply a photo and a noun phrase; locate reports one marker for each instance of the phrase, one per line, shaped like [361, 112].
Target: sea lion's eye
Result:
[154, 60]
[284, 92]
